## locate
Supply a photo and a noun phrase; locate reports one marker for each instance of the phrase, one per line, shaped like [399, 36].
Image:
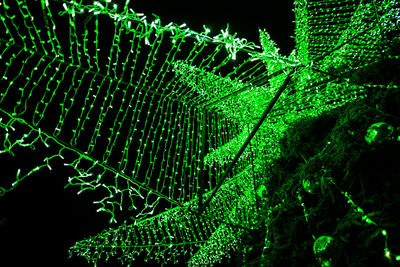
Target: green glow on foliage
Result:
[124, 107]
[325, 249]
[365, 218]
[261, 191]
[379, 132]
[322, 243]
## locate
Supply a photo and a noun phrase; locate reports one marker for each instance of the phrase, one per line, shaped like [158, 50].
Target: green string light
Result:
[124, 109]
[364, 217]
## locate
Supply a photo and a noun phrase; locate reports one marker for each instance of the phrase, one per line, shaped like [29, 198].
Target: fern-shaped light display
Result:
[149, 115]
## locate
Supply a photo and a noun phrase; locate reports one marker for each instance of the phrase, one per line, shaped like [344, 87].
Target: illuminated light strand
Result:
[312, 94]
[65, 146]
[33, 31]
[365, 218]
[9, 145]
[230, 41]
[151, 227]
[71, 95]
[299, 197]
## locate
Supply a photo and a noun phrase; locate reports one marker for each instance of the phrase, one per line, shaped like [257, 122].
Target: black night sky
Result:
[353, 148]
[40, 219]
[244, 17]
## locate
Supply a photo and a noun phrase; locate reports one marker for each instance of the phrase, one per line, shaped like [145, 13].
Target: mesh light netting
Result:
[149, 115]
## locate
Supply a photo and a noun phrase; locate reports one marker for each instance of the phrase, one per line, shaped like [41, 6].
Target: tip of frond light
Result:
[206, 29]
[387, 254]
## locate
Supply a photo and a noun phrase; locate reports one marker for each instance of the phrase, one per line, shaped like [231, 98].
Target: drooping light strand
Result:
[124, 109]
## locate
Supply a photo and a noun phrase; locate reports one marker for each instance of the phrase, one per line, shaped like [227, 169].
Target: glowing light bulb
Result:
[387, 253]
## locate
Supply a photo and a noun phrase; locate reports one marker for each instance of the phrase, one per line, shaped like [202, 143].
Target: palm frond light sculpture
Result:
[167, 124]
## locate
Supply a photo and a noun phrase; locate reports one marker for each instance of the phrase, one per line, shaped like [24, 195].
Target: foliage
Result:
[333, 145]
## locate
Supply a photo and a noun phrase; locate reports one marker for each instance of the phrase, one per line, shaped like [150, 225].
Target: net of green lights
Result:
[150, 114]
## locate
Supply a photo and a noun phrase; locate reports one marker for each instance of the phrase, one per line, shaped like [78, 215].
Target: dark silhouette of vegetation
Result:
[333, 146]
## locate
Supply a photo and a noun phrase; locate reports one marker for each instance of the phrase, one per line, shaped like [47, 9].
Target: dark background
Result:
[40, 219]
[244, 17]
